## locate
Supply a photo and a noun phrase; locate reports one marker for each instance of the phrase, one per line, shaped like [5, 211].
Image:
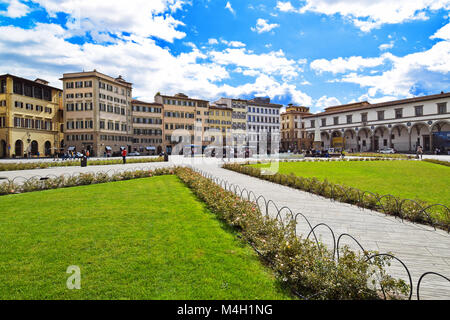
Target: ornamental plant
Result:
[415, 211]
[309, 269]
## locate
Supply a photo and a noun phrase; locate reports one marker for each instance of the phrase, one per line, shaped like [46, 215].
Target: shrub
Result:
[69, 163]
[308, 269]
[388, 204]
[442, 163]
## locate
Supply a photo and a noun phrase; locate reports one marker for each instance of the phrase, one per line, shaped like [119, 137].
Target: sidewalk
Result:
[420, 247]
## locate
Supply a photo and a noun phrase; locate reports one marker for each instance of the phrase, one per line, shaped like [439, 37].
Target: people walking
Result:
[419, 152]
[124, 156]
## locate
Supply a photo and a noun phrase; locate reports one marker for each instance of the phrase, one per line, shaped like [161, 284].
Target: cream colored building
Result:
[147, 127]
[185, 120]
[221, 119]
[293, 134]
[30, 117]
[97, 113]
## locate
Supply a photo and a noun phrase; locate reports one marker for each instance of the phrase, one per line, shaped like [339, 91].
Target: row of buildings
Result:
[97, 112]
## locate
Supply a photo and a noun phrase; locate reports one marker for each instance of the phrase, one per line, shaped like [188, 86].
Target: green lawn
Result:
[140, 239]
[406, 179]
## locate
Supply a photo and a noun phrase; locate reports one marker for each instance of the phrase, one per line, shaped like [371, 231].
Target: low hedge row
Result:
[308, 269]
[35, 184]
[442, 163]
[70, 163]
[413, 210]
[379, 155]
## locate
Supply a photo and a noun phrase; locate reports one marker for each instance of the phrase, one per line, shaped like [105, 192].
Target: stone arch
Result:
[34, 148]
[364, 139]
[421, 135]
[18, 148]
[351, 140]
[380, 138]
[48, 148]
[441, 126]
[3, 152]
[400, 138]
[326, 139]
[440, 132]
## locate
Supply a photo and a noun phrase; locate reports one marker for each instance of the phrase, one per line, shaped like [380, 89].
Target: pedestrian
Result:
[420, 152]
[124, 156]
[87, 153]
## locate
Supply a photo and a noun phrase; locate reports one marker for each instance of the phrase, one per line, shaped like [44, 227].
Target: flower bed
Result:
[71, 163]
[308, 269]
[35, 184]
[413, 210]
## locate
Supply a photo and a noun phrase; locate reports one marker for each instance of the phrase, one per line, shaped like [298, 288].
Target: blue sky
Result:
[311, 52]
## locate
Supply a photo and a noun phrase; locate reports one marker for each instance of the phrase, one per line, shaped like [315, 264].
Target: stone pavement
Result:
[421, 248]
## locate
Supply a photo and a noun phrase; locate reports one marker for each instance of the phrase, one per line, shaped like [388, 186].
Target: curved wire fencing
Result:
[439, 288]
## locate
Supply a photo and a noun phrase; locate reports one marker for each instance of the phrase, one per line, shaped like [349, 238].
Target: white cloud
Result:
[15, 9]
[230, 8]
[342, 65]
[273, 62]
[427, 70]
[443, 33]
[369, 14]
[147, 65]
[286, 7]
[325, 102]
[234, 44]
[262, 25]
[213, 41]
[140, 17]
[386, 46]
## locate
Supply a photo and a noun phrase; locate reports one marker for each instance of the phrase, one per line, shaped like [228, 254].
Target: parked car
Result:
[387, 151]
[78, 155]
[134, 154]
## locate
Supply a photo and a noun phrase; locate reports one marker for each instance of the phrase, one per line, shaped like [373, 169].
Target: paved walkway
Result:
[421, 248]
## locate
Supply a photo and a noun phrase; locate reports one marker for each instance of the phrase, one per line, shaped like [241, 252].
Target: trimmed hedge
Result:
[308, 269]
[379, 155]
[71, 163]
[442, 163]
[413, 210]
[83, 179]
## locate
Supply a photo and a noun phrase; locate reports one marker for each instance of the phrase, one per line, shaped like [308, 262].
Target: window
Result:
[88, 84]
[336, 121]
[442, 108]
[324, 122]
[398, 113]
[380, 115]
[419, 111]
[313, 123]
[363, 117]
[3, 86]
[69, 85]
[349, 119]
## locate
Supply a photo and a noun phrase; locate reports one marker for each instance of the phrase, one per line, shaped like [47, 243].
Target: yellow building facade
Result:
[30, 118]
[221, 119]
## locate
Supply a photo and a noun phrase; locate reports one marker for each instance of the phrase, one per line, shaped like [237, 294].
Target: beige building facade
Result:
[30, 118]
[293, 134]
[185, 120]
[147, 127]
[97, 113]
